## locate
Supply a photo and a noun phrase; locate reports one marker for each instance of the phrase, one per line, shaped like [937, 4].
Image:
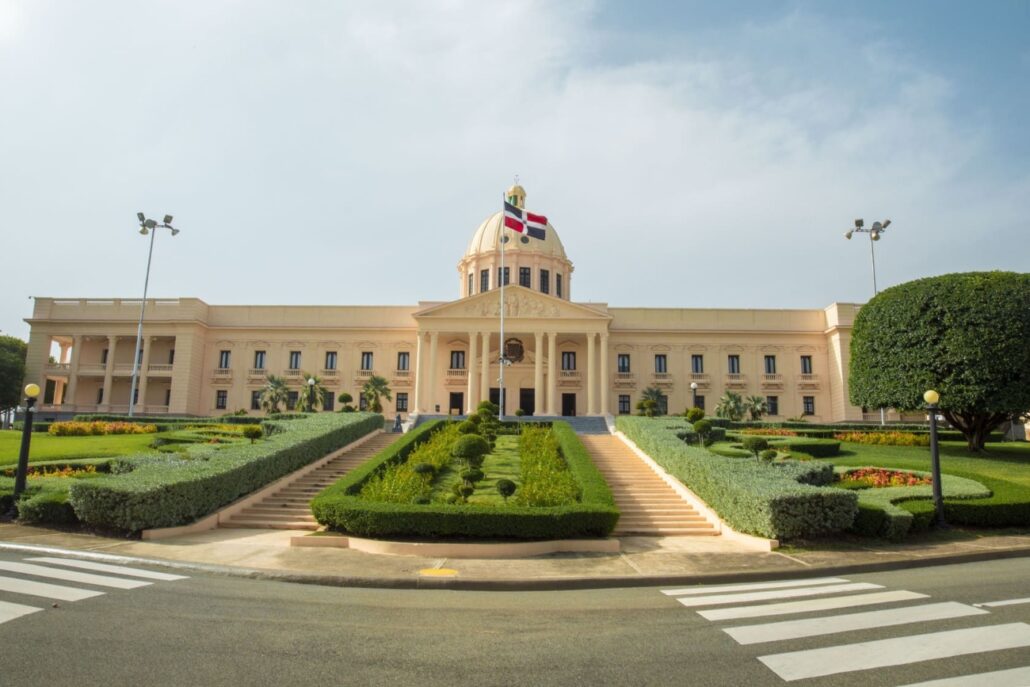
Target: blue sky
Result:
[689, 154]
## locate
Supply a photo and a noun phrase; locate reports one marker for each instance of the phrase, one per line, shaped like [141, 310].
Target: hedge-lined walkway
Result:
[289, 507]
[648, 505]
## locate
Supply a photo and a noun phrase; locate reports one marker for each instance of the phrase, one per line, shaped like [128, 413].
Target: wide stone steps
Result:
[289, 507]
[649, 506]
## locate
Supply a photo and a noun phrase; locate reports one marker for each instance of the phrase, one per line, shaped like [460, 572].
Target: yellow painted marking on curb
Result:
[437, 572]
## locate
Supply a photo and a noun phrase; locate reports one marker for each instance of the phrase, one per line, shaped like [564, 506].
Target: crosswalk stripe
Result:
[777, 594]
[50, 591]
[754, 586]
[115, 569]
[1006, 602]
[797, 665]
[72, 575]
[814, 627]
[9, 611]
[1014, 677]
[809, 605]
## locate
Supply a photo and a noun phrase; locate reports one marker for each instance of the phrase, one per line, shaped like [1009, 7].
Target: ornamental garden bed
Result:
[419, 487]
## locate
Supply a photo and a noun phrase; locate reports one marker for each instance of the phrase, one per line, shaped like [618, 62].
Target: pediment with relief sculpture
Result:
[520, 303]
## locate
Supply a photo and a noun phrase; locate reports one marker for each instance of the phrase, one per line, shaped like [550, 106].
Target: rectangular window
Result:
[168, 397]
[484, 281]
[402, 402]
[255, 399]
[221, 399]
[259, 360]
[223, 359]
[328, 401]
[457, 360]
[294, 360]
[568, 360]
[502, 275]
[557, 285]
[770, 364]
[403, 359]
[330, 360]
[661, 363]
[806, 364]
[291, 399]
[624, 404]
[171, 356]
[808, 403]
[733, 362]
[622, 363]
[772, 404]
[366, 360]
[545, 281]
[700, 402]
[472, 284]
[526, 277]
[103, 357]
[697, 364]
[100, 395]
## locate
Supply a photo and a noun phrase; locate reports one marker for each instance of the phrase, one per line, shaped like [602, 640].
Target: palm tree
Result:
[731, 406]
[311, 394]
[375, 388]
[756, 407]
[274, 394]
[653, 393]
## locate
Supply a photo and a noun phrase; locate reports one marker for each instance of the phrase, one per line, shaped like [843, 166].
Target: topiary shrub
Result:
[468, 427]
[768, 454]
[755, 445]
[703, 428]
[471, 475]
[519, 412]
[253, 432]
[471, 449]
[695, 414]
[505, 487]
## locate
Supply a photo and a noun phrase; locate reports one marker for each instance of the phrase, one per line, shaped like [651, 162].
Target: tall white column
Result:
[591, 376]
[418, 373]
[538, 376]
[73, 370]
[606, 384]
[552, 373]
[431, 392]
[470, 366]
[484, 375]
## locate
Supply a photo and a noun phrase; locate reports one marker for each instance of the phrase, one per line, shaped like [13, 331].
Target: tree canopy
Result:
[12, 371]
[967, 336]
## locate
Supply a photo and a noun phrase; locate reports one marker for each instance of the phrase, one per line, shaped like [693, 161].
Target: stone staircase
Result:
[288, 508]
[649, 506]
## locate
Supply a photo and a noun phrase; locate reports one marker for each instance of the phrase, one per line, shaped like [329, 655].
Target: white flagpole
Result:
[500, 277]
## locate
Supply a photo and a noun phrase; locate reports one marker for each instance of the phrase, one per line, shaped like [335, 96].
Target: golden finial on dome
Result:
[516, 195]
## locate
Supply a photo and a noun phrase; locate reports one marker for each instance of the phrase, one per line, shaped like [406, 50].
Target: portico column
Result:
[144, 366]
[73, 370]
[418, 372]
[552, 373]
[470, 400]
[112, 343]
[538, 376]
[591, 377]
[605, 382]
[484, 376]
[431, 394]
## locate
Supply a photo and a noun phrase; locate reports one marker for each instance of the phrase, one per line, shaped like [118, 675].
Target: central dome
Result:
[487, 239]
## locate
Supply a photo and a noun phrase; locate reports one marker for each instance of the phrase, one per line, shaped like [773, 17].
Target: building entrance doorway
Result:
[457, 403]
[527, 401]
[568, 405]
[495, 398]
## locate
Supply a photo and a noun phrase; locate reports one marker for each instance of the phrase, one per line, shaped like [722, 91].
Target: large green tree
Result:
[12, 371]
[275, 394]
[373, 389]
[312, 395]
[967, 336]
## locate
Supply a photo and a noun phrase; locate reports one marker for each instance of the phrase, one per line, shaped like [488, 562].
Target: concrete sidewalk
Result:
[643, 560]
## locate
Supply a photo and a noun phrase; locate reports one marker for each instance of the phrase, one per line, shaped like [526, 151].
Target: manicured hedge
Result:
[827, 431]
[770, 500]
[169, 490]
[340, 508]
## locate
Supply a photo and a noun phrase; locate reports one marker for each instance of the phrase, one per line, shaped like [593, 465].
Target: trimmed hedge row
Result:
[340, 508]
[167, 490]
[770, 500]
[827, 431]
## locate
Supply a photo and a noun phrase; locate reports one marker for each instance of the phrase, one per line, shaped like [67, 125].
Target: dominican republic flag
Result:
[520, 220]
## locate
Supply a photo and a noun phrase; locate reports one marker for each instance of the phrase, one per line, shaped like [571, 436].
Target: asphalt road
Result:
[211, 630]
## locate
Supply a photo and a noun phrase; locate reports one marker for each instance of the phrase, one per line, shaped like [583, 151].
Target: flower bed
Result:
[884, 438]
[98, 428]
[863, 478]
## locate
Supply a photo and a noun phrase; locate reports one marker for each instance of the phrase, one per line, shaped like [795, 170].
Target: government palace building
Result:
[566, 357]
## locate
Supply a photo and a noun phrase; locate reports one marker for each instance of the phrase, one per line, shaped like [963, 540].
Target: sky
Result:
[689, 154]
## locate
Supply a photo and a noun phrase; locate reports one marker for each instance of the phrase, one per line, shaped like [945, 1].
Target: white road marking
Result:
[797, 665]
[754, 586]
[72, 575]
[809, 605]
[1006, 602]
[1016, 677]
[9, 611]
[50, 591]
[815, 627]
[776, 594]
[104, 567]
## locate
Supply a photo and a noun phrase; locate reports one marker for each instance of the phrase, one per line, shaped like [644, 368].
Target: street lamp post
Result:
[311, 393]
[875, 232]
[693, 390]
[146, 226]
[932, 397]
[31, 393]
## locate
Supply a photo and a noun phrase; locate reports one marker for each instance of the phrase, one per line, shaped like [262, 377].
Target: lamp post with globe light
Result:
[31, 394]
[693, 390]
[932, 398]
[875, 232]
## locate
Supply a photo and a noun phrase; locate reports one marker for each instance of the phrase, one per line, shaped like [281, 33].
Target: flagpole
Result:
[500, 277]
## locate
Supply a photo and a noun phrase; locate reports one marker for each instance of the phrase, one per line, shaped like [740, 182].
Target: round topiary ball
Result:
[468, 427]
[472, 475]
[768, 454]
[505, 487]
[470, 447]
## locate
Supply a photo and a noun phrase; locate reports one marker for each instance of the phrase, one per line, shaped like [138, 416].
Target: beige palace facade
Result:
[567, 357]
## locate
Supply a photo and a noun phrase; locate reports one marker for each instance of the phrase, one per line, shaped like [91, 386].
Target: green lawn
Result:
[503, 463]
[45, 447]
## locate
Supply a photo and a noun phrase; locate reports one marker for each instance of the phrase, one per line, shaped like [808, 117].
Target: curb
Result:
[522, 585]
